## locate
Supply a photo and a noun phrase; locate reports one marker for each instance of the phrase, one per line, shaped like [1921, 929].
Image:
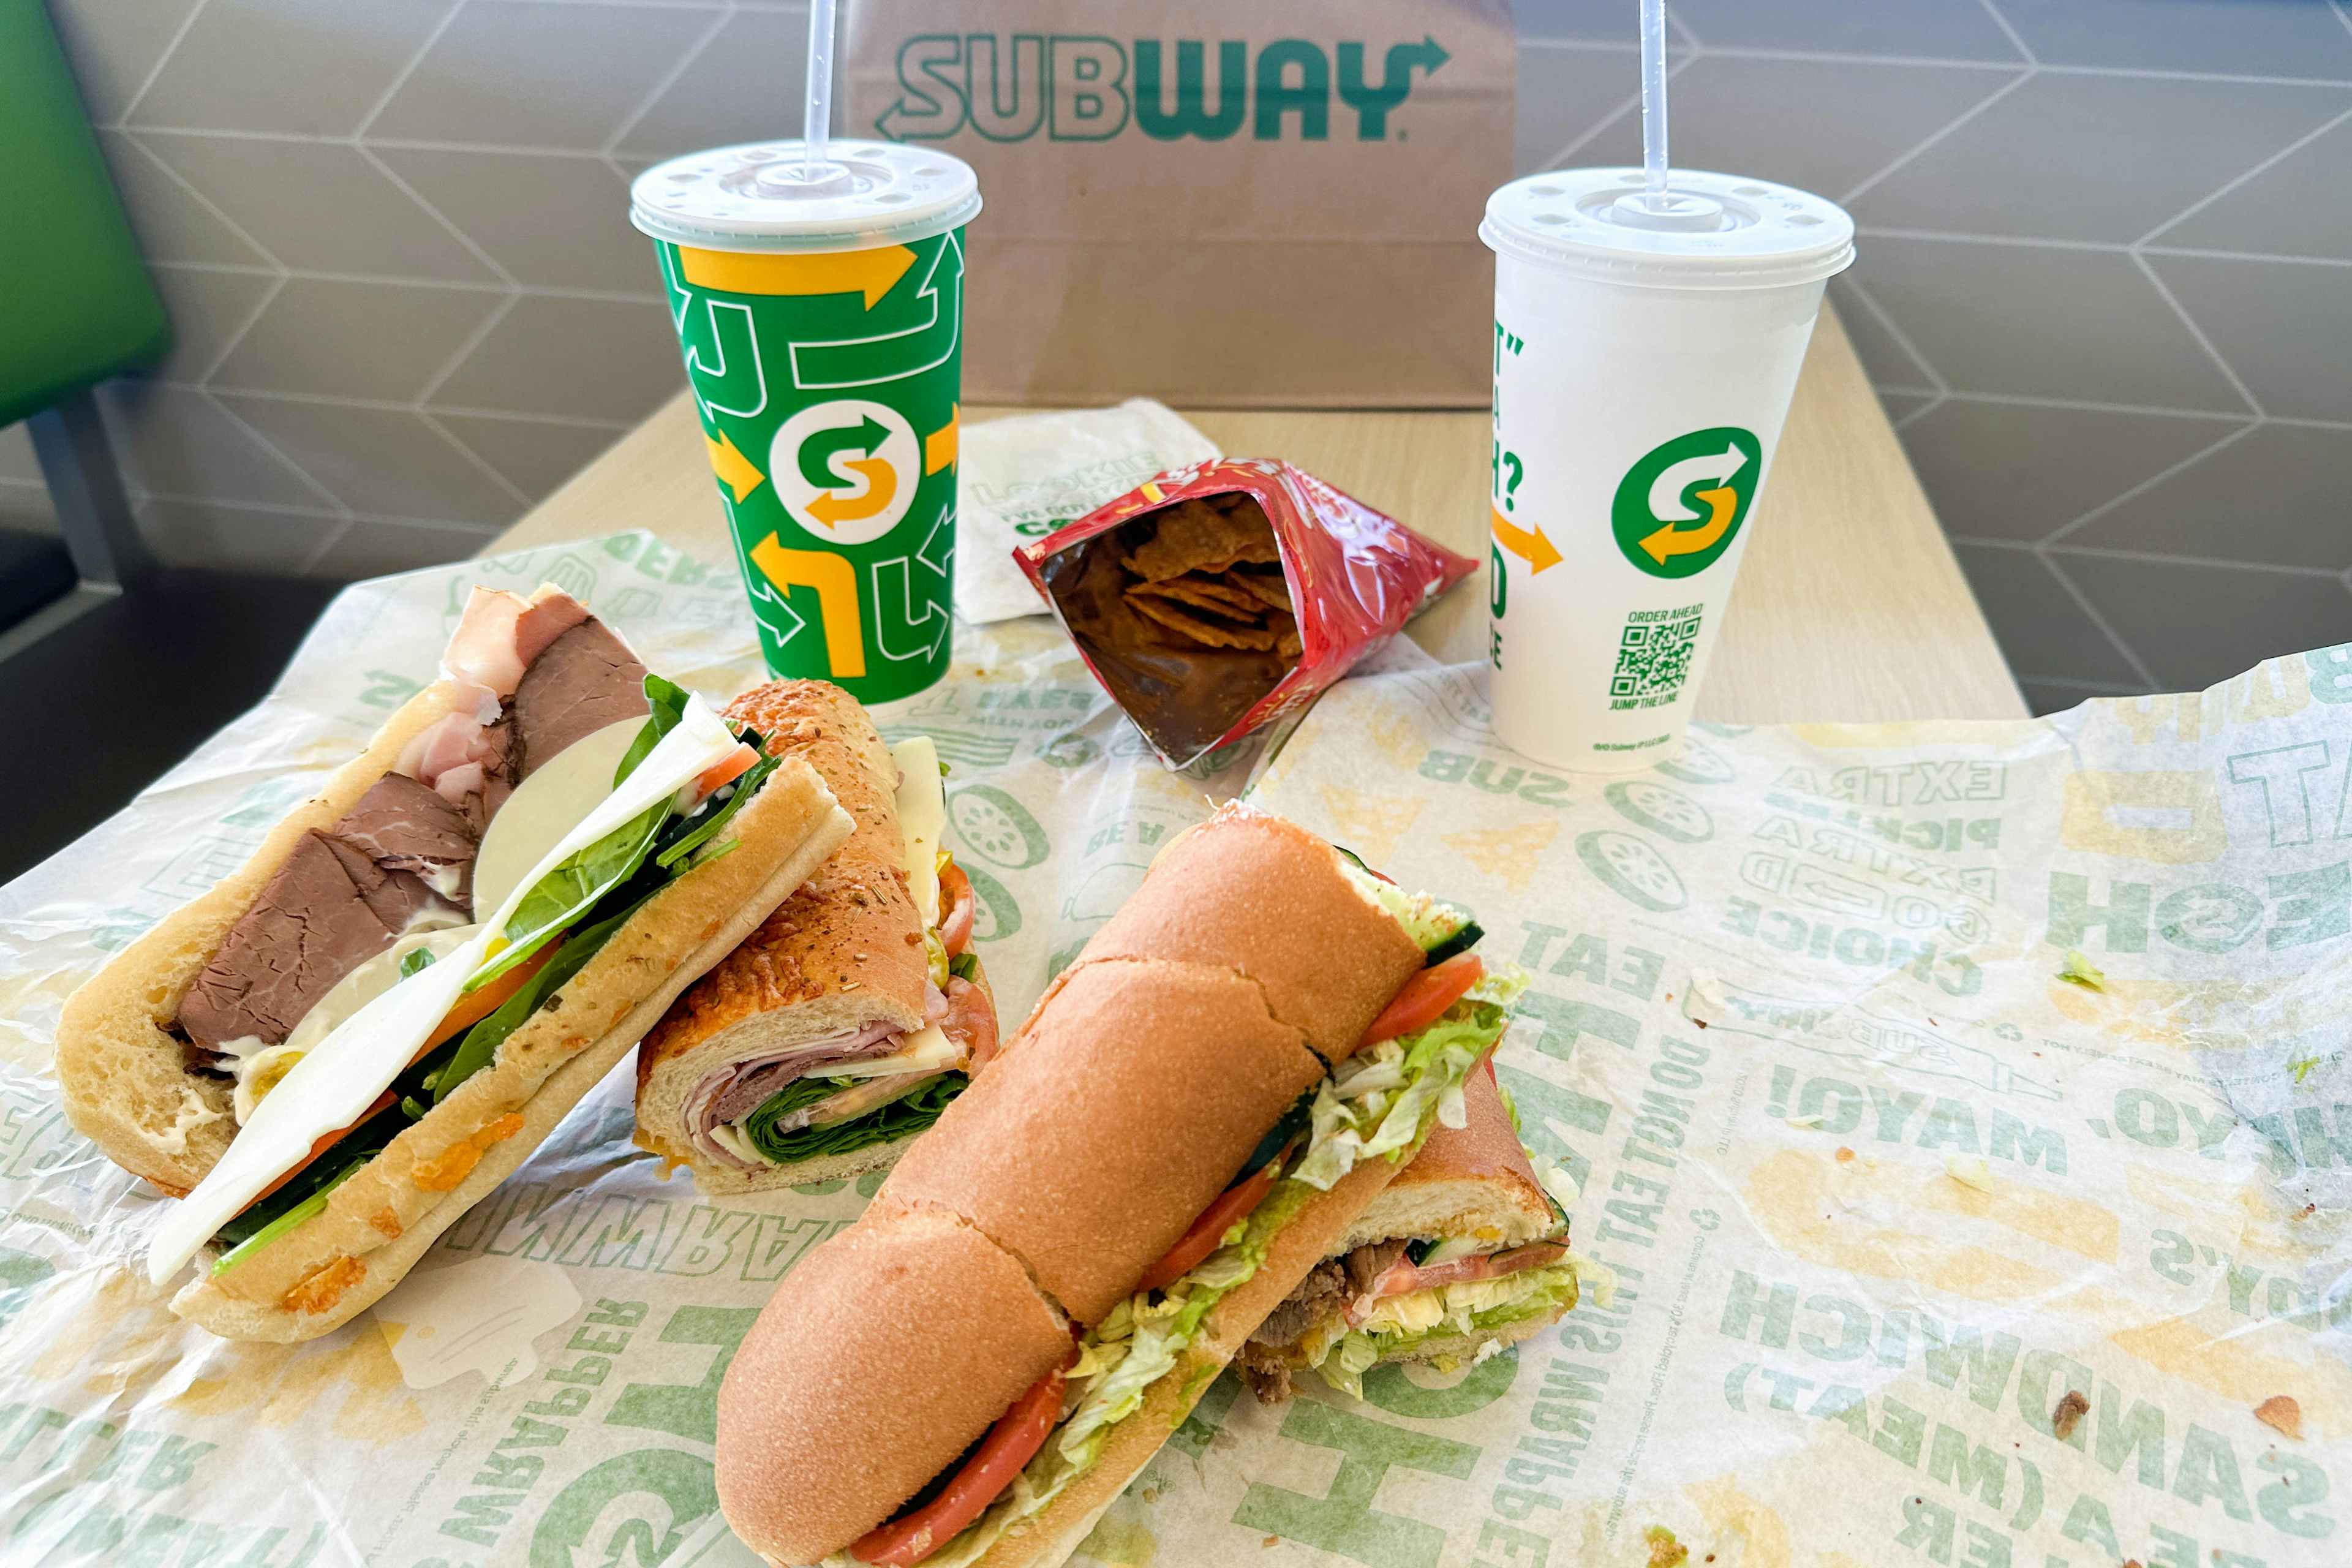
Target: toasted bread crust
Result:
[379, 1222]
[1067, 1153]
[852, 932]
[929, 1332]
[720, 1181]
[1248, 891]
[1465, 1180]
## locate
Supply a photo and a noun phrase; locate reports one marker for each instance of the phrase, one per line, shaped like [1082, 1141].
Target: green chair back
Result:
[79, 304]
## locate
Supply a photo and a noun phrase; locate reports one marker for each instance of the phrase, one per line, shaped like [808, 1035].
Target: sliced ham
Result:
[971, 1022]
[1399, 1275]
[729, 1094]
[500, 634]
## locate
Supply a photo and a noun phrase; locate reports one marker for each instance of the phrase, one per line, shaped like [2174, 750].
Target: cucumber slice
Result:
[1460, 943]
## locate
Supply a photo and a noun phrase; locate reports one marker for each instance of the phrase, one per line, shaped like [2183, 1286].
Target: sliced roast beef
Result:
[582, 681]
[1318, 1296]
[1368, 1263]
[330, 907]
[402, 825]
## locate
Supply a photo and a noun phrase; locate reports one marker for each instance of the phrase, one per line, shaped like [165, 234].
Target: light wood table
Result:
[1849, 606]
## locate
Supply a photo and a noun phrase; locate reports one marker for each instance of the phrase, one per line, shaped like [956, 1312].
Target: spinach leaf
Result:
[313, 1182]
[416, 962]
[480, 1044]
[667, 702]
[567, 893]
[899, 1119]
[706, 827]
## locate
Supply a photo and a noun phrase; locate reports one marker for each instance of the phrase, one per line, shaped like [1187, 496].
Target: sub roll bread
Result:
[1191, 1118]
[1464, 1252]
[341, 1047]
[844, 1025]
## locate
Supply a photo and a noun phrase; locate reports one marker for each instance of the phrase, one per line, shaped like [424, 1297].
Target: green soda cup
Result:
[819, 307]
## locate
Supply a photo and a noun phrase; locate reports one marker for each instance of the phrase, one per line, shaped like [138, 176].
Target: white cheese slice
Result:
[927, 1050]
[334, 1084]
[547, 805]
[922, 817]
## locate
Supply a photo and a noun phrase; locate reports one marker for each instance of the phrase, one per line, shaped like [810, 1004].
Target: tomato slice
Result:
[1012, 1443]
[1427, 996]
[1235, 1203]
[725, 771]
[958, 910]
[470, 1010]
[473, 1007]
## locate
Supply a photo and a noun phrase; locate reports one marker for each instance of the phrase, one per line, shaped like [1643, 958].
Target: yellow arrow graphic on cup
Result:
[835, 582]
[881, 484]
[1672, 541]
[1532, 544]
[940, 446]
[872, 273]
[737, 472]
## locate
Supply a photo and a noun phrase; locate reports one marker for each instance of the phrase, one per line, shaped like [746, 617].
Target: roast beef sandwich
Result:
[1464, 1252]
[846, 1023]
[338, 1050]
[1192, 1118]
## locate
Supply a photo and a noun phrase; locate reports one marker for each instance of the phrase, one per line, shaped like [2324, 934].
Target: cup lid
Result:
[759, 196]
[1708, 231]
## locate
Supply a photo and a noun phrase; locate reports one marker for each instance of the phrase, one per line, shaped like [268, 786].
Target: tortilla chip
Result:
[1207, 633]
[1192, 536]
[1268, 588]
[1205, 593]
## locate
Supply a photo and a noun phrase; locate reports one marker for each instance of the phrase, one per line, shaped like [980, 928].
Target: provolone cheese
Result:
[334, 1084]
[927, 1050]
[922, 817]
[547, 805]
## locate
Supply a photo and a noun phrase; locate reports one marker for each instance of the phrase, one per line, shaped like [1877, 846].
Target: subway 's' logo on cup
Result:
[1067, 87]
[1679, 508]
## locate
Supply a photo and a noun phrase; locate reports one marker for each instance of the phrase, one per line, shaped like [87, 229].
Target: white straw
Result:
[1654, 97]
[816, 126]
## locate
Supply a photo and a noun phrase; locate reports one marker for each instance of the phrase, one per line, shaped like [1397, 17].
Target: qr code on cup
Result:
[1654, 655]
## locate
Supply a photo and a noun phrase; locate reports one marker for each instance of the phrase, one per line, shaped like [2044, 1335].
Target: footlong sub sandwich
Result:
[848, 1021]
[1192, 1116]
[344, 1045]
[1464, 1252]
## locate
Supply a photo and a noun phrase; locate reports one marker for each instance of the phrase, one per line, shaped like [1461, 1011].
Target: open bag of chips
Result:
[1219, 597]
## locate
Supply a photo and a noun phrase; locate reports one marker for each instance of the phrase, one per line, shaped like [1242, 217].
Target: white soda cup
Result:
[1645, 355]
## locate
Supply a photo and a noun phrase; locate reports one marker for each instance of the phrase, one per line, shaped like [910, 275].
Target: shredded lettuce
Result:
[1383, 1102]
[1432, 922]
[1399, 1325]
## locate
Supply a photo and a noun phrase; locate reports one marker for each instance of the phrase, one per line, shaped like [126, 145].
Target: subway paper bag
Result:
[1271, 205]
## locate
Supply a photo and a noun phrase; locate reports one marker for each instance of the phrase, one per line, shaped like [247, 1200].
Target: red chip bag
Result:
[1217, 597]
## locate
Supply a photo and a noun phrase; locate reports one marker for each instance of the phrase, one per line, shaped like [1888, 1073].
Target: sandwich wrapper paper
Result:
[1882, 1191]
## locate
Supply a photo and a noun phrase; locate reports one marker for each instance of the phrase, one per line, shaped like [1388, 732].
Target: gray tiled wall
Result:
[2105, 287]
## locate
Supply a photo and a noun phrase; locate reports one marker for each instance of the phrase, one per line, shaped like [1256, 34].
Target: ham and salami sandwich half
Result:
[1191, 1118]
[344, 1045]
[1464, 1252]
[845, 1025]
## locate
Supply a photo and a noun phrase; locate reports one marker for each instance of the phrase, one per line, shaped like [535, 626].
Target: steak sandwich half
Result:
[1464, 1252]
[339, 1049]
[846, 1023]
[1191, 1118]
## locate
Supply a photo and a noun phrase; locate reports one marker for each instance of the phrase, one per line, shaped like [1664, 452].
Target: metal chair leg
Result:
[93, 514]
